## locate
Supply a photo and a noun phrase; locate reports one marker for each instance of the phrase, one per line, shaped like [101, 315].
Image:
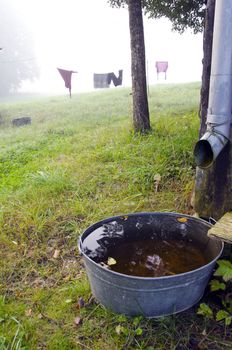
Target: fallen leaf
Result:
[67, 278]
[28, 312]
[77, 321]
[68, 301]
[204, 333]
[118, 329]
[182, 219]
[40, 316]
[56, 254]
[111, 261]
[157, 179]
[30, 254]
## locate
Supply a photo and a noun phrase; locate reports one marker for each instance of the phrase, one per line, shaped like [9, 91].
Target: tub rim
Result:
[94, 226]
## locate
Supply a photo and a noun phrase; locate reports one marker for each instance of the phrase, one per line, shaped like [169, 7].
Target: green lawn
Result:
[77, 163]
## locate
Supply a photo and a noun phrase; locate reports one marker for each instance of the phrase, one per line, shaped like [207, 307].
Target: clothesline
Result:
[100, 80]
[103, 80]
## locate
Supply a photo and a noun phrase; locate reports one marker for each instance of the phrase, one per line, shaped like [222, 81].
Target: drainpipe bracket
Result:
[217, 119]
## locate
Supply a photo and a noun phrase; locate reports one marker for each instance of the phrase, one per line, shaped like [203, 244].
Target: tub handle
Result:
[212, 220]
[209, 219]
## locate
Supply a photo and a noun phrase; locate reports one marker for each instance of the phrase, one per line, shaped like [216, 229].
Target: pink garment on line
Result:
[161, 66]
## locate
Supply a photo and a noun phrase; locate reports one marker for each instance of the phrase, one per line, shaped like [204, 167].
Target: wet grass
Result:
[77, 163]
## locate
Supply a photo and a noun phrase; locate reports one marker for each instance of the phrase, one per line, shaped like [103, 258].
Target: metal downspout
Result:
[220, 92]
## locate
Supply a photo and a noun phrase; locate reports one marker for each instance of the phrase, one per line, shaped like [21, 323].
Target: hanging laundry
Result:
[161, 67]
[116, 80]
[67, 76]
[103, 80]
[100, 81]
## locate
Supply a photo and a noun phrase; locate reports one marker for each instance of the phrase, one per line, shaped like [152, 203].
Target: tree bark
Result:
[207, 51]
[141, 120]
[213, 186]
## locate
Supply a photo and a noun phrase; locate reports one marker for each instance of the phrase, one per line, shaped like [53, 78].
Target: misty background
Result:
[89, 37]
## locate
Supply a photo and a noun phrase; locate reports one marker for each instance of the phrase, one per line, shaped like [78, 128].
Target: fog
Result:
[90, 37]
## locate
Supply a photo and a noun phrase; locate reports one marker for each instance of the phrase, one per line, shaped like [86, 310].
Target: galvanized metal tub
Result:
[150, 297]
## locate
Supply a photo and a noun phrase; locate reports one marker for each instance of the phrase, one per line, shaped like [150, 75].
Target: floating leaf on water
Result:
[182, 219]
[111, 261]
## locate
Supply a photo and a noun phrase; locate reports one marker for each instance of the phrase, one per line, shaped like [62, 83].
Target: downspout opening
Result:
[208, 147]
[203, 154]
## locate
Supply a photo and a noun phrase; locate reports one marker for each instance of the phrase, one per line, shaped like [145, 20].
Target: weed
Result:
[16, 339]
[223, 288]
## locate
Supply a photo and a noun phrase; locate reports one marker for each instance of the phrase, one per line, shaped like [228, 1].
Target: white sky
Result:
[89, 36]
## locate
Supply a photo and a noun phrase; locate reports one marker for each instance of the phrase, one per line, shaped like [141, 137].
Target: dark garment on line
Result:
[161, 67]
[67, 76]
[103, 80]
[116, 80]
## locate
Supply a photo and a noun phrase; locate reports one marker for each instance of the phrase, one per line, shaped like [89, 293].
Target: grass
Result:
[77, 163]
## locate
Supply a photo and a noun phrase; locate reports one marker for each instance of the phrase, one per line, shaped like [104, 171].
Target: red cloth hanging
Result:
[67, 76]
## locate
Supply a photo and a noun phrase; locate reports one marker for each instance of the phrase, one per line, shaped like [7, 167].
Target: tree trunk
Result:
[213, 187]
[141, 119]
[207, 50]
